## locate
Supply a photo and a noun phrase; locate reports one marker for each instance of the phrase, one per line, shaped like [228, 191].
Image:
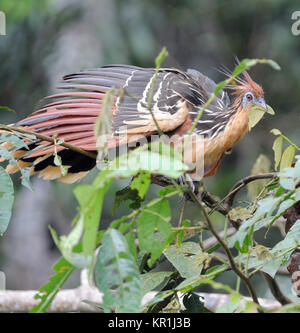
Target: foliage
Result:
[117, 274]
[6, 200]
[63, 270]
[133, 250]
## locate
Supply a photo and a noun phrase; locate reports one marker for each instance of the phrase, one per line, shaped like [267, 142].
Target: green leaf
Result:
[63, 269]
[127, 193]
[117, 275]
[14, 139]
[244, 65]
[152, 280]
[269, 264]
[275, 131]
[92, 214]
[185, 258]
[274, 64]
[291, 240]
[6, 200]
[124, 227]
[216, 269]
[57, 160]
[154, 228]
[195, 282]
[4, 153]
[169, 189]
[240, 240]
[265, 208]
[262, 253]
[255, 115]
[272, 266]
[270, 110]
[145, 160]
[25, 172]
[277, 147]
[297, 167]
[286, 204]
[130, 238]
[161, 57]
[239, 214]
[141, 183]
[279, 191]
[8, 155]
[159, 297]
[6, 108]
[172, 236]
[287, 157]
[67, 243]
[90, 198]
[261, 165]
[269, 261]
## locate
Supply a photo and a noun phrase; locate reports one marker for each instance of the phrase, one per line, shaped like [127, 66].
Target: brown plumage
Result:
[177, 98]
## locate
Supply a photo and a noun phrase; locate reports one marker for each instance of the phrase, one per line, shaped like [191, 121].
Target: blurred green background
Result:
[47, 39]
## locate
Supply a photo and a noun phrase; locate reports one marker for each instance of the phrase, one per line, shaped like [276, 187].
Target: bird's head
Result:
[248, 92]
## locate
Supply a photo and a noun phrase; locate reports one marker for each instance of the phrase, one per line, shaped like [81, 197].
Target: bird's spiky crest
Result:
[243, 83]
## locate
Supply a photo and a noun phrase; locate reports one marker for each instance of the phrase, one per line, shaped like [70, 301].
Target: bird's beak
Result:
[262, 103]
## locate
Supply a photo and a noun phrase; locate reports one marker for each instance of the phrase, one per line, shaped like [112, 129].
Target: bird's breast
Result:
[236, 128]
[207, 152]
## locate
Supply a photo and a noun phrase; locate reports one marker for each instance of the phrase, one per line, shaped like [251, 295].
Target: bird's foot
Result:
[187, 182]
[193, 185]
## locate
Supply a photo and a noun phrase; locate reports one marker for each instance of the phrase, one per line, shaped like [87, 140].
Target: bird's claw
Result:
[194, 186]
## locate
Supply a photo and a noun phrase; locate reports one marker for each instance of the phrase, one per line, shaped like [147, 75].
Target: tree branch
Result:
[242, 183]
[211, 241]
[48, 139]
[225, 248]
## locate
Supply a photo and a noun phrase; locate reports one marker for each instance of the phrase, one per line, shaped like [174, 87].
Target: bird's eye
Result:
[249, 97]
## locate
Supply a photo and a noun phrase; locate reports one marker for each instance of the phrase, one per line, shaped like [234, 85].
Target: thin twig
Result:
[181, 213]
[181, 217]
[242, 183]
[159, 130]
[48, 139]
[225, 248]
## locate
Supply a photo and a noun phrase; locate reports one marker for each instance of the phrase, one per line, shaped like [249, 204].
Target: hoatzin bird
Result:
[177, 98]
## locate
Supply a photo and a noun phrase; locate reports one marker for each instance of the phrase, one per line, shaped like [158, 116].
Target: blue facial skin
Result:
[249, 98]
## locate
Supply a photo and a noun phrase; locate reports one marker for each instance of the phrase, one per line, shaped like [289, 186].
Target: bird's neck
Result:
[238, 125]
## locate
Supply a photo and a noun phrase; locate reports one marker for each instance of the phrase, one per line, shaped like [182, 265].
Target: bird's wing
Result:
[174, 96]
[165, 96]
[72, 113]
[214, 117]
